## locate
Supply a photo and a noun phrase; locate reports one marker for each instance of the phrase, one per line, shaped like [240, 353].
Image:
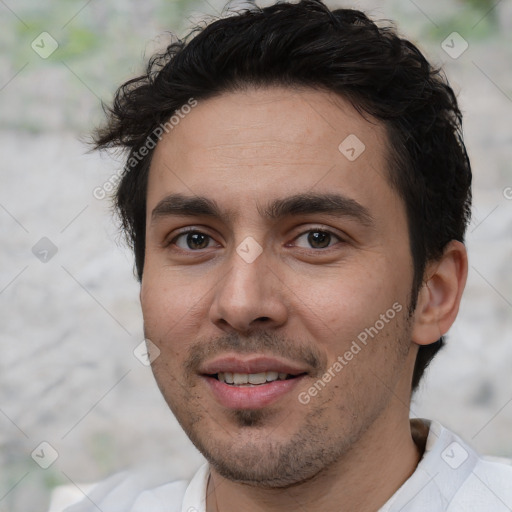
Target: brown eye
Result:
[318, 239]
[193, 240]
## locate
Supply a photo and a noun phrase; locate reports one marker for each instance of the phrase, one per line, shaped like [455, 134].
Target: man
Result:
[296, 193]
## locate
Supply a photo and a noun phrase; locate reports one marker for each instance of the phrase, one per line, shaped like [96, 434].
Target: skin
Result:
[299, 300]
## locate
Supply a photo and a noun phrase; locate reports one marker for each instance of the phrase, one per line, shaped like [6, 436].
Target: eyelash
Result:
[311, 230]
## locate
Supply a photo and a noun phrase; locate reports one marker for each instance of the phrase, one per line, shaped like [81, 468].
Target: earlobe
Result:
[439, 297]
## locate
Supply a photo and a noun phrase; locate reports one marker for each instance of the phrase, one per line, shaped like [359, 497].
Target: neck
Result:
[354, 483]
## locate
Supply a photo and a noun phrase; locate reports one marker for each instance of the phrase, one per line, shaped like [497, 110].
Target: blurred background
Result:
[69, 311]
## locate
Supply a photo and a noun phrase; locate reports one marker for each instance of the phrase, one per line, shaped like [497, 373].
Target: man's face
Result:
[283, 292]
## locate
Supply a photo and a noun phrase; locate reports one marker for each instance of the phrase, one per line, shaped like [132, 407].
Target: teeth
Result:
[257, 378]
[240, 379]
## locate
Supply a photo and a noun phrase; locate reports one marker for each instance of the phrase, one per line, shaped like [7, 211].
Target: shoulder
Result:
[470, 482]
[487, 487]
[453, 477]
[129, 491]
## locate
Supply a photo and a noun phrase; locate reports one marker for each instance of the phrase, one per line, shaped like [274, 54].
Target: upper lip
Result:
[252, 364]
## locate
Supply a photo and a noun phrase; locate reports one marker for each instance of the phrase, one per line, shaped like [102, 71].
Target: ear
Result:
[440, 295]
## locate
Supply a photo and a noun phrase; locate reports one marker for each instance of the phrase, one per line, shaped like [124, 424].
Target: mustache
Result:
[261, 342]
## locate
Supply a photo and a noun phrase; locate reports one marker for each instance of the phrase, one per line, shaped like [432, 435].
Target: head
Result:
[257, 126]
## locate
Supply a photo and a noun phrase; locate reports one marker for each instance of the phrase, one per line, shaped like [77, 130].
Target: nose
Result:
[250, 295]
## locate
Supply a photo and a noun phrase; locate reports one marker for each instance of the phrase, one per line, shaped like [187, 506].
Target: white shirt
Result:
[450, 477]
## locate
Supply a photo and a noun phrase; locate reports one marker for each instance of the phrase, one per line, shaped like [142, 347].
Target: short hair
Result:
[308, 45]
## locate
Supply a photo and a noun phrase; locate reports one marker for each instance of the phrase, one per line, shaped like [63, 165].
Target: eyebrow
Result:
[334, 205]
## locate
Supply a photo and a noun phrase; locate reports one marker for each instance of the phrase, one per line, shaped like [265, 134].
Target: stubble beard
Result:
[262, 461]
[253, 455]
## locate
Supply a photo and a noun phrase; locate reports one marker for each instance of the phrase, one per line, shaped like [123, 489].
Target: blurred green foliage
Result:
[474, 20]
[482, 5]
[102, 447]
[105, 43]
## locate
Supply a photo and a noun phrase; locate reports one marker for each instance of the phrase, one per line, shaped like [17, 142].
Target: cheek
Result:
[156, 301]
[356, 308]
[163, 305]
[345, 297]
[174, 306]
[167, 293]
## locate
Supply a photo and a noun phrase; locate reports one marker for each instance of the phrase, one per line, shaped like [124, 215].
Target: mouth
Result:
[251, 383]
[252, 379]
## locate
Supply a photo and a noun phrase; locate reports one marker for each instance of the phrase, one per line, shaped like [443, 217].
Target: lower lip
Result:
[250, 397]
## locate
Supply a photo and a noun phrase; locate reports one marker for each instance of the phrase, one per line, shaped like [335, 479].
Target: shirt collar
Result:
[446, 462]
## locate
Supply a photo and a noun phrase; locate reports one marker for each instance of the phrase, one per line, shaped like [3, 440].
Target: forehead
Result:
[249, 147]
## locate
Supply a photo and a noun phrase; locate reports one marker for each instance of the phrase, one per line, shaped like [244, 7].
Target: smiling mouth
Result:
[252, 379]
